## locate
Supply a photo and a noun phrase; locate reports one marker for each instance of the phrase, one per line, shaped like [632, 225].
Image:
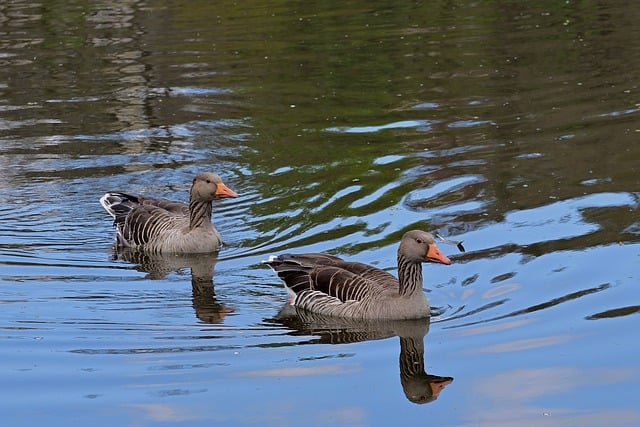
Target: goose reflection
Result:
[158, 266]
[418, 386]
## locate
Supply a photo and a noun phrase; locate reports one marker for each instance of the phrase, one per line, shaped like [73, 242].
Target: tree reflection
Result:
[418, 386]
[158, 266]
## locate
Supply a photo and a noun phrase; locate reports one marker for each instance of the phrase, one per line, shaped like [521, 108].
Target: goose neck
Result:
[409, 276]
[411, 356]
[199, 213]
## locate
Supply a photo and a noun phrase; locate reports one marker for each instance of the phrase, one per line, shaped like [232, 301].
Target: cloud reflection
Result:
[159, 412]
[525, 344]
[511, 395]
[300, 372]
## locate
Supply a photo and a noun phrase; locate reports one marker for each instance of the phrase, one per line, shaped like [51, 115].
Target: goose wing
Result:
[139, 218]
[341, 283]
[365, 271]
[346, 281]
[147, 221]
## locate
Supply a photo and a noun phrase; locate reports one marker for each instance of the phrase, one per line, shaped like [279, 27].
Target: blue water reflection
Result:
[510, 126]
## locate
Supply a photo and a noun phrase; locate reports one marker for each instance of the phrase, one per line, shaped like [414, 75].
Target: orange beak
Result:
[222, 191]
[434, 255]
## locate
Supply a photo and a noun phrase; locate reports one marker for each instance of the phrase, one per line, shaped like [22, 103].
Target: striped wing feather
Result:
[347, 281]
[139, 218]
[146, 222]
[342, 284]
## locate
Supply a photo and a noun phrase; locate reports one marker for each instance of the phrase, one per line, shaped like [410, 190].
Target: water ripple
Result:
[421, 125]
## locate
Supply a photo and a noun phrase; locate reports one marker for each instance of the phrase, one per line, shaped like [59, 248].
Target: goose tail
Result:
[295, 276]
[118, 205]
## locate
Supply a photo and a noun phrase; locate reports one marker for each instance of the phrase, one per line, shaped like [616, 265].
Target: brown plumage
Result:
[329, 285]
[160, 225]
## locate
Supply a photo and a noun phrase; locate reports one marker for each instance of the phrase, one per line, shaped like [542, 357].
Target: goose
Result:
[159, 225]
[328, 285]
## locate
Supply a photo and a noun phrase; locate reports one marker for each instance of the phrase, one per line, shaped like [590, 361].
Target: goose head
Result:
[208, 186]
[420, 246]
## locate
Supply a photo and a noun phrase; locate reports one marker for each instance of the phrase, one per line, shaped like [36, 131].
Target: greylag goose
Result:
[328, 285]
[163, 226]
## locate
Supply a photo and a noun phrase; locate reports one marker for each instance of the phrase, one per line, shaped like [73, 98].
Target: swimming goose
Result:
[328, 285]
[160, 225]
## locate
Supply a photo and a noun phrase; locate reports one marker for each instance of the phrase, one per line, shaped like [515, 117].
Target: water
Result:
[510, 126]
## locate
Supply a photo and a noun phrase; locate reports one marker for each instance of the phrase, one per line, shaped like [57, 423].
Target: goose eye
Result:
[419, 241]
[208, 181]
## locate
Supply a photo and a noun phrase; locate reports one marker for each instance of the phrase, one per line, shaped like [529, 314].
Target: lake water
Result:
[513, 126]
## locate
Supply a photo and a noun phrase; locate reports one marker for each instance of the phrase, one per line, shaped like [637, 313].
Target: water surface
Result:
[511, 126]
